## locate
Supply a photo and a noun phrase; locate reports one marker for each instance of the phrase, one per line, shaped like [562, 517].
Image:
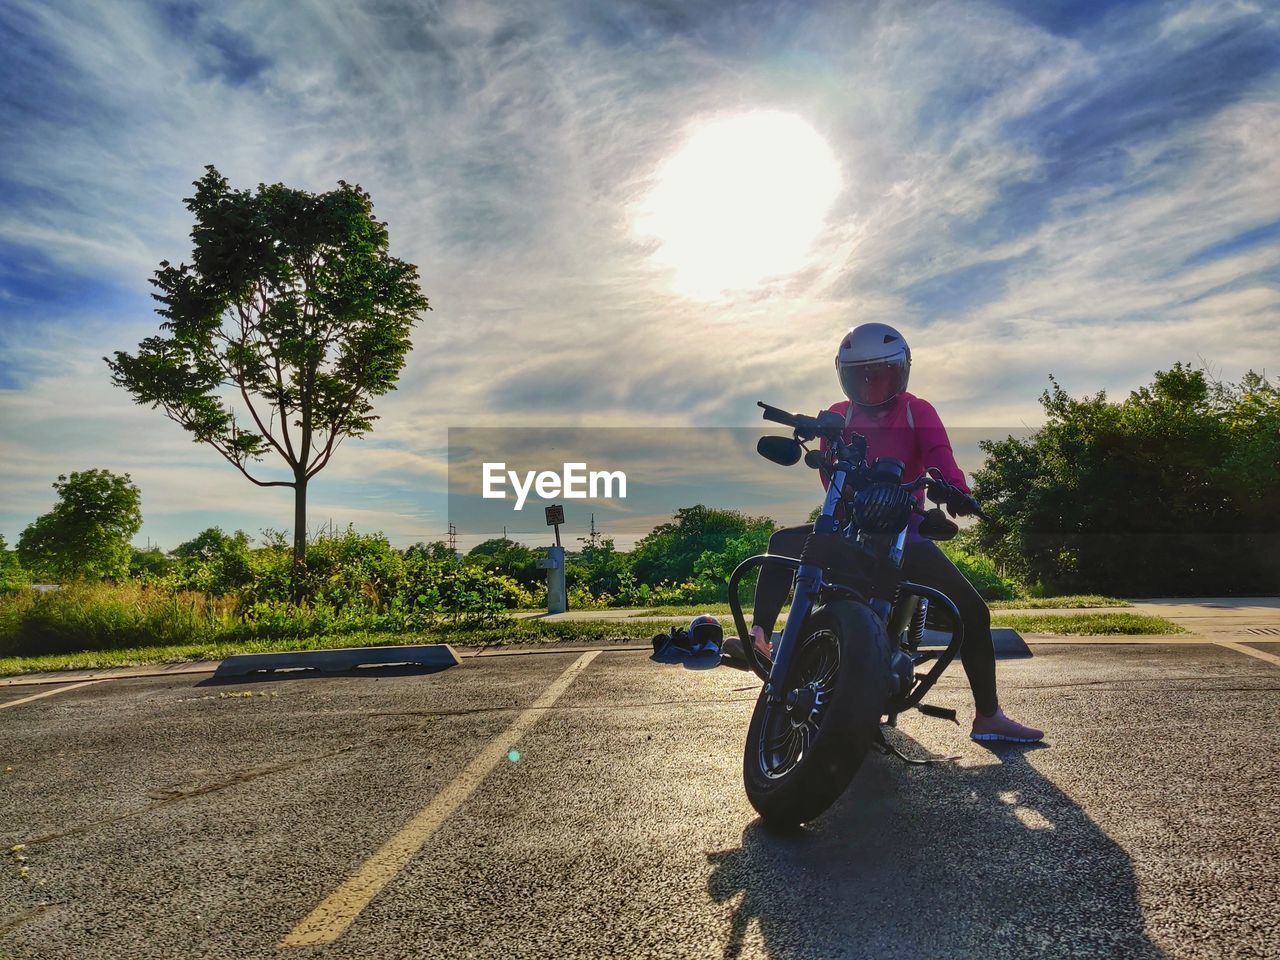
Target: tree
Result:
[599, 566]
[86, 535]
[715, 567]
[12, 576]
[508, 558]
[213, 561]
[149, 563]
[293, 312]
[211, 543]
[435, 550]
[670, 550]
[1165, 492]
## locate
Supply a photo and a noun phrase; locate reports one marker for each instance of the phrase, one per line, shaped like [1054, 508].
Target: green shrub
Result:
[982, 572]
[86, 616]
[12, 574]
[1160, 493]
[212, 562]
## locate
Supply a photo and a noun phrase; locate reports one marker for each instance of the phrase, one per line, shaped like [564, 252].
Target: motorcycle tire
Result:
[802, 753]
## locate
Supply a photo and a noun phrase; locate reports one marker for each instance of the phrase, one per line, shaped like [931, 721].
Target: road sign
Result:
[555, 515]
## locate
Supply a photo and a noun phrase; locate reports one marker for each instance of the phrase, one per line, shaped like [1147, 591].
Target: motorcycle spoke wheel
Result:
[791, 726]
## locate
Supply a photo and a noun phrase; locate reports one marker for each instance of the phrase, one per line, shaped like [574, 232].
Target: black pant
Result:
[922, 562]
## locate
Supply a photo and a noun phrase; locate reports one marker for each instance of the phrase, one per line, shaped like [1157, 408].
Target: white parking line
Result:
[1241, 648]
[335, 913]
[47, 693]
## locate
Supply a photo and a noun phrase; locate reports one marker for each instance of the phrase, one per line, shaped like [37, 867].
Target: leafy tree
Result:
[293, 312]
[214, 561]
[670, 550]
[1165, 492]
[508, 558]
[212, 542]
[86, 535]
[12, 576]
[148, 563]
[715, 566]
[599, 567]
[435, 550]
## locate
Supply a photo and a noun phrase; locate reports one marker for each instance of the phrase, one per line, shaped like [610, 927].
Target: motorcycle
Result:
[847, 660]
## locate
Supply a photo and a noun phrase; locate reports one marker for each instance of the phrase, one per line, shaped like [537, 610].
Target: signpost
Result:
[557, 596]
[555, 517]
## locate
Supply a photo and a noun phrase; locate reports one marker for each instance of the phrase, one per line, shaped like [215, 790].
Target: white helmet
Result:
[874, 363]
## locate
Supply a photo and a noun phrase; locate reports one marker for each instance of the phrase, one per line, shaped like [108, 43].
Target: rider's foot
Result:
[761, 642]
[999, 727]
[733, 654]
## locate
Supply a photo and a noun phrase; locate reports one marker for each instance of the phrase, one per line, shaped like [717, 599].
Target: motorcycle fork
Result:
[808, 584]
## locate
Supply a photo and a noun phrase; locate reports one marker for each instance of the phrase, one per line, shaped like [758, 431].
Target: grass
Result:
[95, 627]
[1073, 602]
[505, 633]
[688, 610]
[1087, 624]
[1078, 601]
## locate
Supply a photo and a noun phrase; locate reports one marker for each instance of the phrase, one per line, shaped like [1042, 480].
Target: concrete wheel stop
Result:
[435, 656]
[1009, 643]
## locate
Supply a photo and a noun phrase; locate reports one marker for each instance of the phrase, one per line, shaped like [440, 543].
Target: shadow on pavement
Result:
[690, 661]
[943, 861]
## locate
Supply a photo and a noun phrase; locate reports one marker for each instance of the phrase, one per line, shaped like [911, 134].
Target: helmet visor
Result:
[871, 384]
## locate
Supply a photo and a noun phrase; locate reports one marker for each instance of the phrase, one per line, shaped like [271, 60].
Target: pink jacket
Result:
[910, 431]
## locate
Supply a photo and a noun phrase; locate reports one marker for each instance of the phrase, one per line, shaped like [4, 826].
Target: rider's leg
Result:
[924, 563]
[775, 582]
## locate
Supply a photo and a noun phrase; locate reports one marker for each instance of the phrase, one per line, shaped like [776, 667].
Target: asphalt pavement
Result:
[563, 804]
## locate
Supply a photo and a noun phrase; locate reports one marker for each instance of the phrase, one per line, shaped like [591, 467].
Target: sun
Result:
[740, 203]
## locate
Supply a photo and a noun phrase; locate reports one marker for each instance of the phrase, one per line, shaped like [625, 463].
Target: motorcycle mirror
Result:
[937, 526]
[783, 451]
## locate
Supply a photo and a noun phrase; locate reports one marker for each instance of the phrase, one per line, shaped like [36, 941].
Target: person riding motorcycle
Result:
[873, 363]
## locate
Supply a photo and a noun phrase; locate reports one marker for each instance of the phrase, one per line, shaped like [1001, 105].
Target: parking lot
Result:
[584, 804]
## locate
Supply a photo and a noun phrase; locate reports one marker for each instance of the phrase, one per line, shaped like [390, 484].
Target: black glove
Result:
[960, 504]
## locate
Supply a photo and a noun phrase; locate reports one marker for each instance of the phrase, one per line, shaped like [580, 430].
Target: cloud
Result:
[1087, 189]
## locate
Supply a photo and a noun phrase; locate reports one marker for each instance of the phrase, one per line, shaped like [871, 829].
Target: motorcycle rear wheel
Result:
[802, 753]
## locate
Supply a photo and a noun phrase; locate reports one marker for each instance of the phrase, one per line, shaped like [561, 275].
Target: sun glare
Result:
[740, 203]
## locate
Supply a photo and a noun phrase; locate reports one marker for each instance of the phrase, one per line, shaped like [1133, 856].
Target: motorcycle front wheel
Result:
[803, 750]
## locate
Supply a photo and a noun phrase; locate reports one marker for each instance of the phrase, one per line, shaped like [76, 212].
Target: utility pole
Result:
[453, 538]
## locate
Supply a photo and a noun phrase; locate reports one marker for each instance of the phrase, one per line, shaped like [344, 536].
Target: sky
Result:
[639, 214]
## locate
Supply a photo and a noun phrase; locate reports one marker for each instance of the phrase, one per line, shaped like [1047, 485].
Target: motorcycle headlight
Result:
[882, 508]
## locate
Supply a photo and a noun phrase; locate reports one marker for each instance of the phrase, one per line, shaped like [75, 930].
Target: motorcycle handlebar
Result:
[778, 415]
[811, 426]
[806, 428]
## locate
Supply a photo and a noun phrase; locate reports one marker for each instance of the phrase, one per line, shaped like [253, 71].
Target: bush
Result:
[982, 572]
[460, 591]
[670, 552]
[714, 568]
[85, 616]
[509, 559]
[1161, 493]
[12, 574]
[212, 562]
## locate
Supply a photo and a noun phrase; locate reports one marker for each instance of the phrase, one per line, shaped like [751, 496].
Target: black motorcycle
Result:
[849, 652]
